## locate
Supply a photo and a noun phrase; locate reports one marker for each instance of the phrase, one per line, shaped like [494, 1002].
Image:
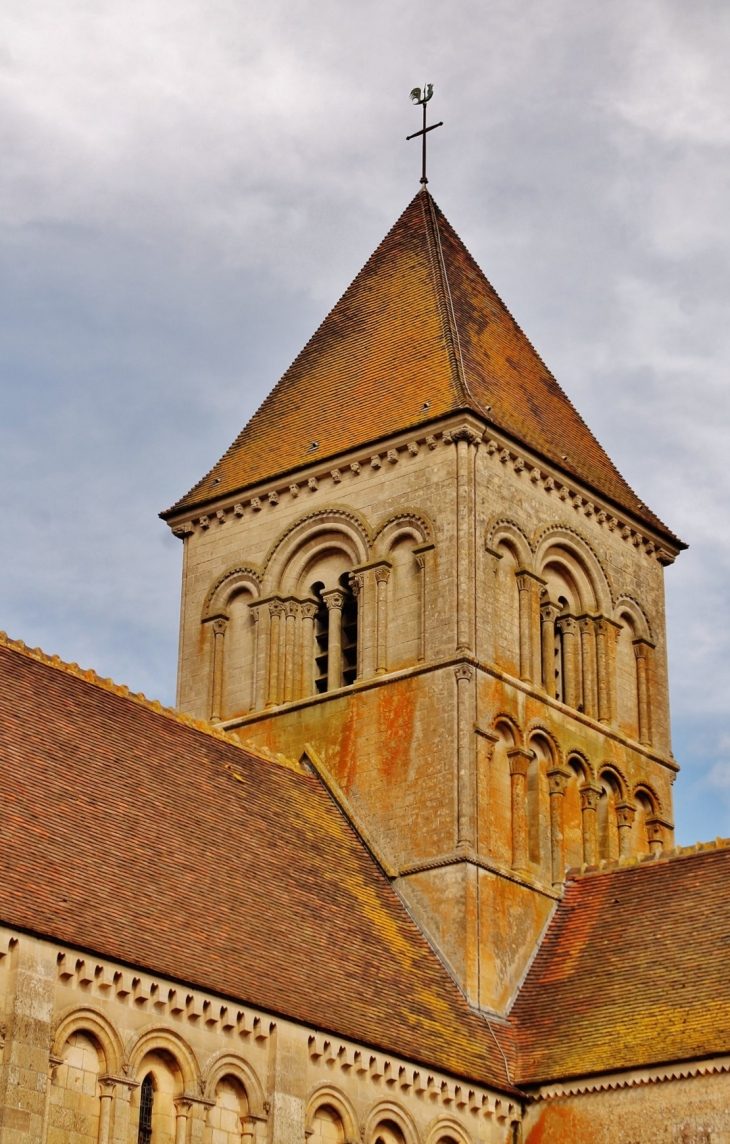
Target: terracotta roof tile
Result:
[129, 834]
[420, 323]
[634, 970]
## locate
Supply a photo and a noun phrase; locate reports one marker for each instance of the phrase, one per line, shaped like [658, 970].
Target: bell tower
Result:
[417, 567]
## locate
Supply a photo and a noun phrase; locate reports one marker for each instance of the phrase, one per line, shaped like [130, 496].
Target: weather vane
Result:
[422, 98]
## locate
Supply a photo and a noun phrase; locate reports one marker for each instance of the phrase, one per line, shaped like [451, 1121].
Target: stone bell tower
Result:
[417, 567]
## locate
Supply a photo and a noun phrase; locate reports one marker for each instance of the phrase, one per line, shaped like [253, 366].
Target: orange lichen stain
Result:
[557, 1124]
[396, 719]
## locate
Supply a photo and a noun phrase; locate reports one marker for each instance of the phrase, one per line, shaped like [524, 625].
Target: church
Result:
[399, 867]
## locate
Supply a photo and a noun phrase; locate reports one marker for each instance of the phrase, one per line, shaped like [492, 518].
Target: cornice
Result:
[383, 452]
[630, 1078]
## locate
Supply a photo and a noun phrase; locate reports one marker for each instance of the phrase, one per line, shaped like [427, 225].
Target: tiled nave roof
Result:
[634, 970]
[129, 833]
[419, 334]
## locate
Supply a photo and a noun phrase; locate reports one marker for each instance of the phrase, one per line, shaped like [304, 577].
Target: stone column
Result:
[606, 632]
[276, 613]
[586, 625]
[357, 587]
[655, 835]
[519, 760]
[529, 587]
[625, 814]
[122, 1111]
[306, 649]
[642, 651]
[382, 575]
[589, 796]
[421, 562]
[466, 440]
[106, 1095]
[255, 618]
[334, 599]
[568, 627]
[465, 748]
[558, 781]
[548, 615]
[182, 1112]
[219, 626]
[248, 1130]
[290, 640]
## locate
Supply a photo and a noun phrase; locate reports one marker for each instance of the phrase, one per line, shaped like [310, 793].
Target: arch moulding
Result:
[559, 535]
[502, 530]
[235, 577]
[409, 522]
[446, 1128]
[333, 519]
[167, 1041]
[327, 1095]
[230, 1064]
[386, 1110]
[628, 605]
[97, 1026]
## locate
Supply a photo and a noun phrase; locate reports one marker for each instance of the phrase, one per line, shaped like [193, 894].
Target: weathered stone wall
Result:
[694, 1110]
[81, 1033]
[510, 704]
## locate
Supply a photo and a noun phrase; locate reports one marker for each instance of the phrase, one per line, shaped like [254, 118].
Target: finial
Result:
[421, 98]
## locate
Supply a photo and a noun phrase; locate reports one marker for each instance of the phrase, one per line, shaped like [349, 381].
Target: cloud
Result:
[187, 187]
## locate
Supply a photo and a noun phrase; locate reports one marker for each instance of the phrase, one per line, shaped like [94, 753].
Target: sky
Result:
[187, 186]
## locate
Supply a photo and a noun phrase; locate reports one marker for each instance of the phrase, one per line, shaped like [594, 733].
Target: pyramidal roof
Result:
[419, 334]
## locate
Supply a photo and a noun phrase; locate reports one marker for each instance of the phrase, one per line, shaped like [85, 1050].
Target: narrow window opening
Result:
[321, 639]
[147, 1097]
[349, 632]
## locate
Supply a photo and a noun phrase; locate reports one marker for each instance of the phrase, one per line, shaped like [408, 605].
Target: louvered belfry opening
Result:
[321, 640]
[346, 674]
[349, 632]
[146, 1103]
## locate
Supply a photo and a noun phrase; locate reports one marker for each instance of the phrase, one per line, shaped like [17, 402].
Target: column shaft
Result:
[571, 680]
[466, 792]
[589, 796]
[219, 631]
[382, 575]
[276, 609]
[548, 615]
[519, 761]
[641, 651]
[334, 599]
[588, 663]
[558, 780]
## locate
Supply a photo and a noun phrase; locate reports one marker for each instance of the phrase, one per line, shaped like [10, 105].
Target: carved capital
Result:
[107, 1084]
[586, 624]
[463, 671]
[549, 612]
[334, 599]
[463, 433]
[309, 610]
[558, 780]
[641, 648]
[519, 760]
[293, 608]
[276, 608]
[527, 580]
[589, 796]
[382, 574]
[567, 625]
[625, 813]
[219, 626]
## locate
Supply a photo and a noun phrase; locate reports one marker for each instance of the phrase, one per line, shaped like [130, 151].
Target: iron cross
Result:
[422, 98]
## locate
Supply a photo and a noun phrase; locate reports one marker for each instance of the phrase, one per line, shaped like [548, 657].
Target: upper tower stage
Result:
[418, 335]
[417, 565]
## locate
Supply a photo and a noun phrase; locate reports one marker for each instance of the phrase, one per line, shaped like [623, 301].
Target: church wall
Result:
[694, 1110]
[82, 1033]
[503, 620]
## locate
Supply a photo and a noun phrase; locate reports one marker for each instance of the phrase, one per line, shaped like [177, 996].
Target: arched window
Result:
[225, 1118]
[335, 635]
[74, 1095]
[388, 1132]
[146, 1108]
[327, 1127]
[608, 846]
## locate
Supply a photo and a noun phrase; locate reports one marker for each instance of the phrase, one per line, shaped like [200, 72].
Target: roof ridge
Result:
[88, 675]
[577, 873]
[444, 297]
